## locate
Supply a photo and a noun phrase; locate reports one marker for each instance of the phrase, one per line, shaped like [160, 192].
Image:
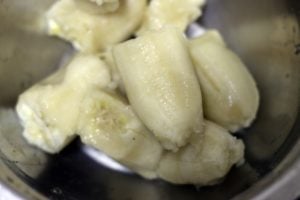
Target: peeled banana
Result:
[77, 100]
[161, 85]
[230, 95]
[90, 32]
[205, 160]
[161, 131]
[49, 111]
[47, 128]
[108, 123]
[178, 13]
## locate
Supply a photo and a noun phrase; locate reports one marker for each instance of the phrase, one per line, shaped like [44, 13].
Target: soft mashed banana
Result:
[160, 104]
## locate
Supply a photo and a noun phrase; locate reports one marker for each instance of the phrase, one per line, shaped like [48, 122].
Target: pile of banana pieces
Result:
[162, 104]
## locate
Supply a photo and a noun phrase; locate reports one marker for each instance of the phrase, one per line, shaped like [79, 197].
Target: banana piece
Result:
[98, 6]
[161, 85]
[108, 123]
[49, 110]
[178, 13]
[230, 95]
[205, 160]
[90, 32]
[48, 123]
[77, 99]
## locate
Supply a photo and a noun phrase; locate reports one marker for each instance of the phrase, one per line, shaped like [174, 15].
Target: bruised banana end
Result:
[177, 13]
[230, 95]
[205, 161]
[49, 110]
[90, 32]
[161, 85]
[108, 124]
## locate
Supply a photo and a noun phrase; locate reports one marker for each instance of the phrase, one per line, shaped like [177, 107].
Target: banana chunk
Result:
[49, 110]
[90, 32]
[108, 123]
[205, 161]
[48, 124]
[178, 13]
[161, 85]
[230, 95]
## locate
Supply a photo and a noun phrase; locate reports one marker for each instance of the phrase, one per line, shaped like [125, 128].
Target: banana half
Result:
[49, 111]
[108, 123]
[90, 32]
[161, 85]
[230, 95]
[77, 100]
[205, 161]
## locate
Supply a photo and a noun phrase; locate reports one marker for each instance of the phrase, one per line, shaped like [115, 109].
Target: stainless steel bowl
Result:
[264, 33]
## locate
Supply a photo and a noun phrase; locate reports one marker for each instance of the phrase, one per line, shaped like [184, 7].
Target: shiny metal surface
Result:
[264, 33]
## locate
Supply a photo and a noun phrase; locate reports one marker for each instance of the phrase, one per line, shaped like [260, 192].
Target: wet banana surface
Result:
[161, 85]
[160, 104]
[90, 32]
[49, 110]
[206, 160]
[230, 94]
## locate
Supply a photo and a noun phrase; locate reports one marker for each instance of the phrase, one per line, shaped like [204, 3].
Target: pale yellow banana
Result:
[230, 95]
[205, 160]
[49, 110]
[108, 123]
[77, 100]
[48, 122]
[161, 85]
[91, 32]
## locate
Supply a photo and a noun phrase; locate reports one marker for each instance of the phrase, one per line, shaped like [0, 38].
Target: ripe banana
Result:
[161, 85]
[90, 32]
[178, 13]
[108, 123]
[205, 160]
[48, 122]
[77, 100]
[49, 110]
[230, 95]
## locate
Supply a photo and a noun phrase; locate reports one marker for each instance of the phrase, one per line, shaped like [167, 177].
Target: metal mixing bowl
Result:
[264, 33]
